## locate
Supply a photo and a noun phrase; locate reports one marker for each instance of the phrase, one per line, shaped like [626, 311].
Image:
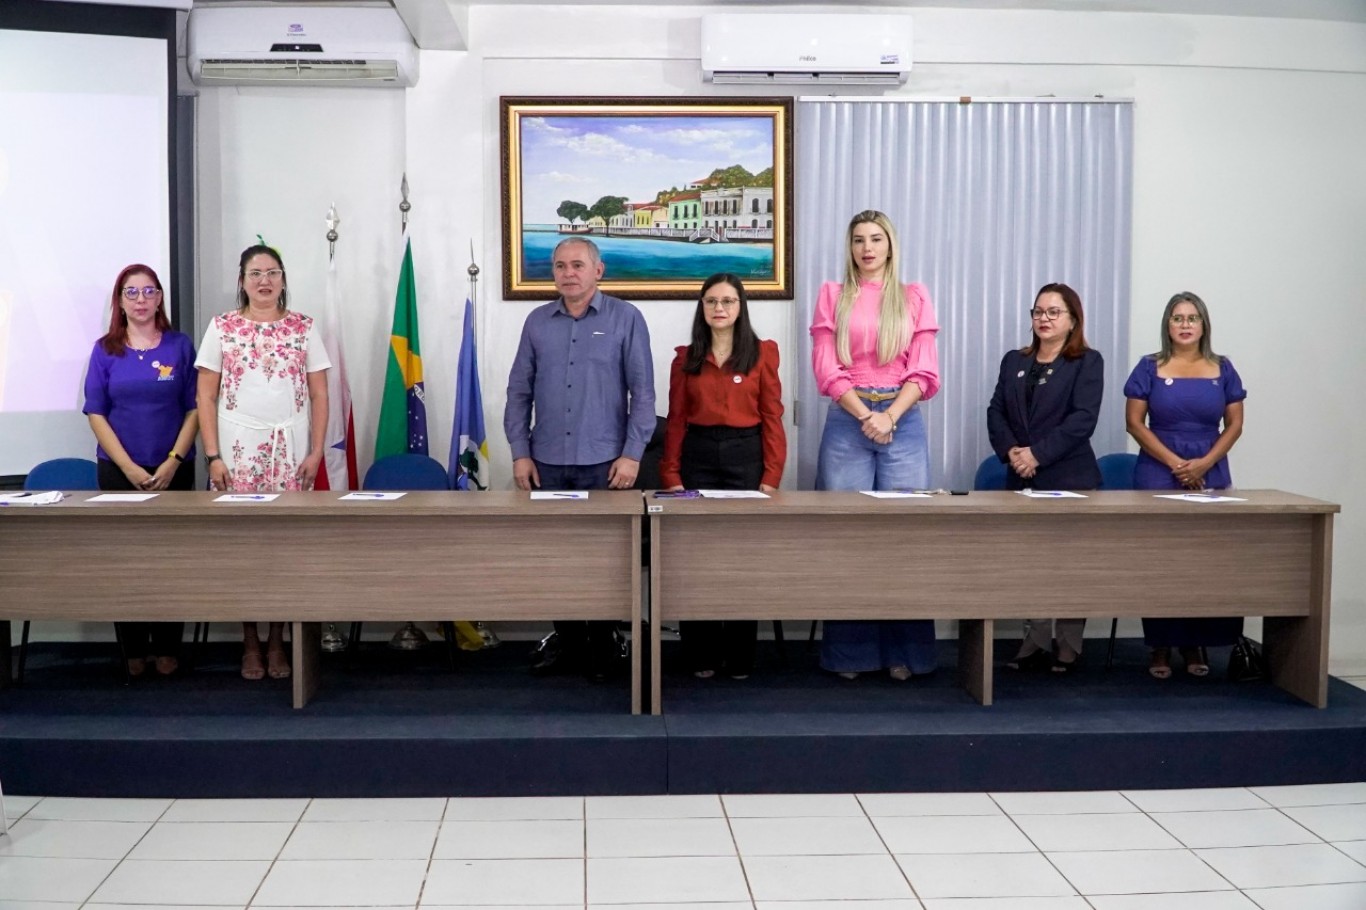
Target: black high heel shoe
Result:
[1037, 662]
[1066, 667]
[1197, 661]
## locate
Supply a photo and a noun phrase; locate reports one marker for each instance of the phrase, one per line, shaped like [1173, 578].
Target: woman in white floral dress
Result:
[263, 407]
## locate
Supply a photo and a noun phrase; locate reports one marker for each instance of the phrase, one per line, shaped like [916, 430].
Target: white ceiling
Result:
[1332, 10]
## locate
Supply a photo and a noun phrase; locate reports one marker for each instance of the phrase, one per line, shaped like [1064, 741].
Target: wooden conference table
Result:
[306, 558]
[997, 555]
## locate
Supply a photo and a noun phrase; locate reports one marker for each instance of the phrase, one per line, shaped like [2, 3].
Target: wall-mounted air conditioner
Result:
[275, 45]
[806, 48]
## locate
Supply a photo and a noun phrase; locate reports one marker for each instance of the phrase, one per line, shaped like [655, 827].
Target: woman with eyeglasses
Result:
[724, 432]
[140, 401]
[263, 407]
[874, 356]
[1040, 420]
[1184, 408]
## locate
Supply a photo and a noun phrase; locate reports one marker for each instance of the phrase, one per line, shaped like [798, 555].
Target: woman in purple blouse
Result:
[1185, 411]
[140, 400]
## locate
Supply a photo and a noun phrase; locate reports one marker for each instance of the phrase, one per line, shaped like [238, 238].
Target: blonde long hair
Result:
[893, 325]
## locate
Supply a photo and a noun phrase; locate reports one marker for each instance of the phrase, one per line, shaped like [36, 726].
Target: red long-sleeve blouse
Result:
[714, 397]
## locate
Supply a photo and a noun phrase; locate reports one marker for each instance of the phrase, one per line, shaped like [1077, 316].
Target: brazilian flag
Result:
[403, 409]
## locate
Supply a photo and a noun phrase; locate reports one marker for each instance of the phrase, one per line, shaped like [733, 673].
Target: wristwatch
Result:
[210, 459]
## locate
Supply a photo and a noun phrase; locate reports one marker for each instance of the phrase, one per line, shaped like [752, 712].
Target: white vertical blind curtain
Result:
[991, 200]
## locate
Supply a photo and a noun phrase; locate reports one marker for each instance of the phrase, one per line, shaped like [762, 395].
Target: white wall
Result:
[1249, 190]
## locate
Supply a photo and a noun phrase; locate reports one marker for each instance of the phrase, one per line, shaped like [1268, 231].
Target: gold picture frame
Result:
[671, 189]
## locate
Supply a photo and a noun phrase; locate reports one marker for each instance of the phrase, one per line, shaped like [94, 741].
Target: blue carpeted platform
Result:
[399, 724]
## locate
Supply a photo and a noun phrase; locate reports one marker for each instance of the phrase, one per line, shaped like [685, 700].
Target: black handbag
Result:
[1246, 663]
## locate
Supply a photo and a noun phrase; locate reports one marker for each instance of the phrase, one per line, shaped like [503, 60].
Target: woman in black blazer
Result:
[1040, 422]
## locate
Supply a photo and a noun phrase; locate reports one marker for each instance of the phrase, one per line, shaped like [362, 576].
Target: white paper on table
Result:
[375, 495]
[30, 498]
[1198, 497]
[895, 494]
[732, 494]
[247, 497]
[1050, 494]
[123, 497]
[559, 494]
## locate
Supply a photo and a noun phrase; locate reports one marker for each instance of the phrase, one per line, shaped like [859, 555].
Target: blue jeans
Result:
[851, 461]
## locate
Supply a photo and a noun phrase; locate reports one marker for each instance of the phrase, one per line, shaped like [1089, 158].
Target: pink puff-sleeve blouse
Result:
[918, 363]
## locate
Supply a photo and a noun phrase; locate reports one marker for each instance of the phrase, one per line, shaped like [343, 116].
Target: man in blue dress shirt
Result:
[583, 367]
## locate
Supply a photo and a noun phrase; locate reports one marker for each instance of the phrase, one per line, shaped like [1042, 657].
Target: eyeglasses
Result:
[726, 302]
[147, 292]
[1051, 314]
[1193, 319]
[258, 274]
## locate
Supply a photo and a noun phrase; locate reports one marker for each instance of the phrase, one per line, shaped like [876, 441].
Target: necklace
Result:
[142, 352]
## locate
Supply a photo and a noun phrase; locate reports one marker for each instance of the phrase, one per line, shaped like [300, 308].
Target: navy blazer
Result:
[1057, 429]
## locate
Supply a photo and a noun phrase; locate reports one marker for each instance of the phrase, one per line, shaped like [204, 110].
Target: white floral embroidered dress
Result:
[263, 404]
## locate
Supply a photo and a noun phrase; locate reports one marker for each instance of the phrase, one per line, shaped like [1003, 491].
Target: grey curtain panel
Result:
[991, 200]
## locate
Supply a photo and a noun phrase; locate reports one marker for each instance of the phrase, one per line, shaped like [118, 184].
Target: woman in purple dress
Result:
[140, 400]
[1185, 411]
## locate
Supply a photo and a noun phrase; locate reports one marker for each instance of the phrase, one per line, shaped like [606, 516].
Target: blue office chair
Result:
[403, 473]
[1117, 471]
[63, 474]
[991, 474]
[406, 472]
[57, 474]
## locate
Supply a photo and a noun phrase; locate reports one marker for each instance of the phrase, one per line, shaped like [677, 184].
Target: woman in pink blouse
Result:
[873, 352]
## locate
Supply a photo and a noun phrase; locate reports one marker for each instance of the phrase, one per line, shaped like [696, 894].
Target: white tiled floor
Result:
[1261, 848]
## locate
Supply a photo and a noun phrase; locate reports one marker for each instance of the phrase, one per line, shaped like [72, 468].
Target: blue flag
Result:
[469, 462]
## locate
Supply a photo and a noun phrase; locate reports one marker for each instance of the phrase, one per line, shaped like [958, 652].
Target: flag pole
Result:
[404, 207]
[409, 637]
[332, 639]
[473, 272]
[332, 219]
[477, 635]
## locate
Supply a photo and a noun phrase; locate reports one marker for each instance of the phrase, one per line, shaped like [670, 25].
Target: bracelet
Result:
[867, 417]
[177, 457]
[210, 459]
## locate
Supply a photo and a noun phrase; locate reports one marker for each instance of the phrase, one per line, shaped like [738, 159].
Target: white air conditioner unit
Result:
[280, 45]
[806, 48]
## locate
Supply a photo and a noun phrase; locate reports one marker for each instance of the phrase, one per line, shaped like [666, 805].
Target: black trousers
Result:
[586, 641]
[721, 458]
[141, 639]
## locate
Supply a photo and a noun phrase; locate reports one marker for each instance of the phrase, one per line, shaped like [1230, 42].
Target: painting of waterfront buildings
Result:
[670, 191]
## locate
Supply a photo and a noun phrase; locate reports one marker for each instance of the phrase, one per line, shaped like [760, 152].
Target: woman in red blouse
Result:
[725, 432]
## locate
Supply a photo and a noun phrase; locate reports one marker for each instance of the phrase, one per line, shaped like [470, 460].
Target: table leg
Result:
[307, 640]
[975, 657]
[1296, 647]
[636, 606]
[6, 653]
[656, 618]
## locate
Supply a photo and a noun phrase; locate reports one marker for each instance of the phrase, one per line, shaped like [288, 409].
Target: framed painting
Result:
[670, 190]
